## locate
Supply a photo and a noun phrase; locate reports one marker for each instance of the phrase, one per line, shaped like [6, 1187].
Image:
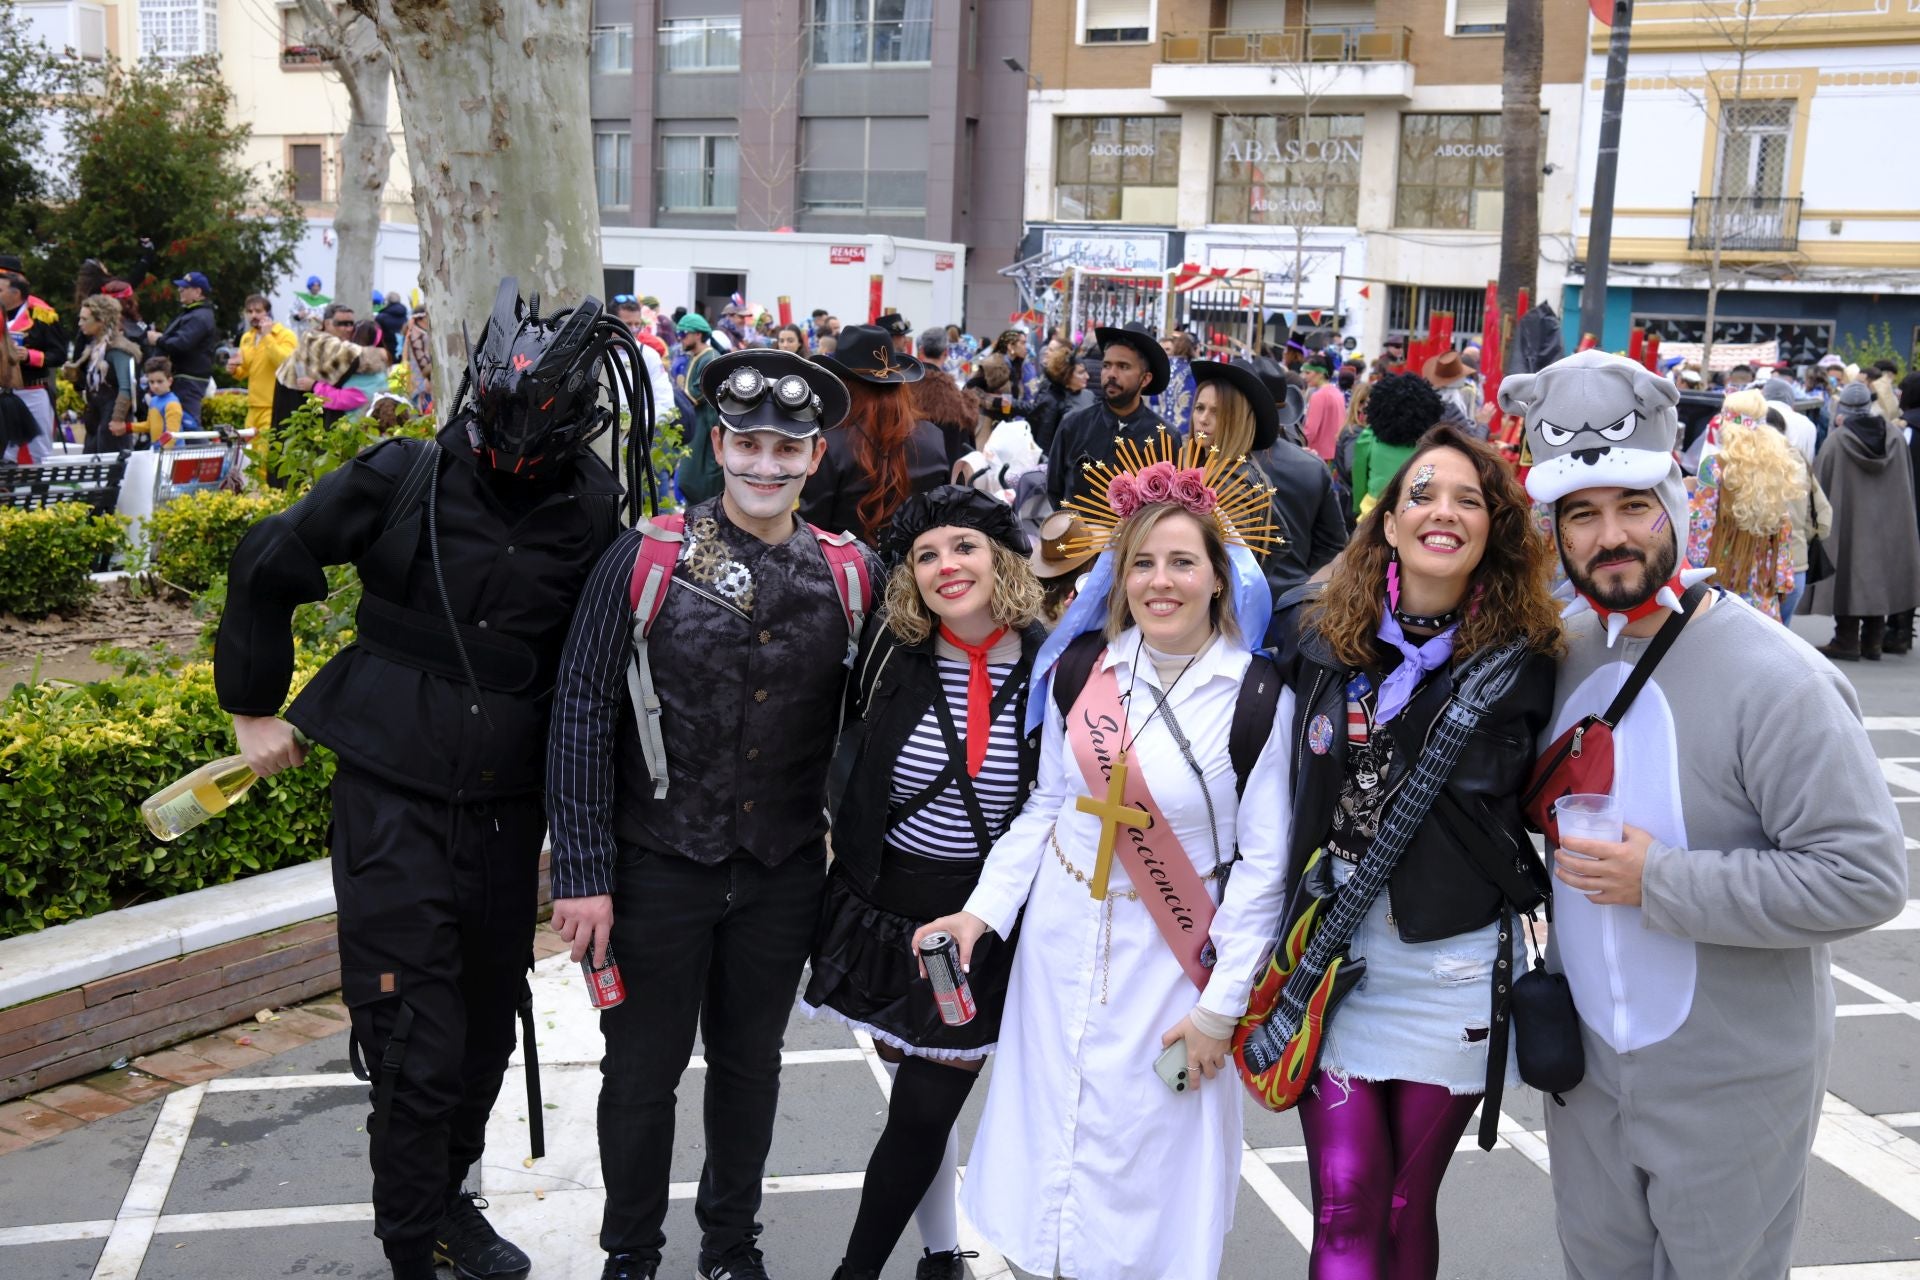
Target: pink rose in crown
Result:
[1190, 491]
[1156, 483]
[1123, 495]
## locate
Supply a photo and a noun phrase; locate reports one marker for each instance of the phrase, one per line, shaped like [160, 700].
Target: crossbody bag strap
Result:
[1636, 681]
[1643, 669]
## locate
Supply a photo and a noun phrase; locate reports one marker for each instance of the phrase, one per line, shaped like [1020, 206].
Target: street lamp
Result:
[1013, 64]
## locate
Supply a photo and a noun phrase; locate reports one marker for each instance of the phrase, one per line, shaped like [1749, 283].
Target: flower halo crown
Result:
[1205, 482]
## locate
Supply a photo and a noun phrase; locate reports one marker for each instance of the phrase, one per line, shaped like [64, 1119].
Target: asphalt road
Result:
[263, 1174]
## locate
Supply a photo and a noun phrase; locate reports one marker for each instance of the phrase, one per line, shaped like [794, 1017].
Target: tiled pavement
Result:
[260, 1172]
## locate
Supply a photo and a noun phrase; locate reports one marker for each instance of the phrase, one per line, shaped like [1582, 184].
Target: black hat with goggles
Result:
[767, 390]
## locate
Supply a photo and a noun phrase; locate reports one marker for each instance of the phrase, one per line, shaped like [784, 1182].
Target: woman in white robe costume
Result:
[1086, 1165]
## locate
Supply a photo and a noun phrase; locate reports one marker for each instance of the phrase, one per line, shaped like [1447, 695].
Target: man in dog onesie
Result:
[1758, 831]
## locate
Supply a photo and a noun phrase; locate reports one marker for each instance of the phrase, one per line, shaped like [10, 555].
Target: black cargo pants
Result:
[436, 914]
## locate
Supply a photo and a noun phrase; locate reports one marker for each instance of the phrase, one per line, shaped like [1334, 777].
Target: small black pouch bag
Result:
[1546, 1029]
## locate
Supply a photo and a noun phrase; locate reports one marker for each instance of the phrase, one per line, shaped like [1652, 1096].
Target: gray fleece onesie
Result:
[1708, 1010]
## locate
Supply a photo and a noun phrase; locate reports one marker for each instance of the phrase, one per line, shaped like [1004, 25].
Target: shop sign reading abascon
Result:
[1291, 151]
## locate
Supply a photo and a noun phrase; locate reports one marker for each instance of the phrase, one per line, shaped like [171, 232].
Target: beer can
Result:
[941, 955]
[604, 988]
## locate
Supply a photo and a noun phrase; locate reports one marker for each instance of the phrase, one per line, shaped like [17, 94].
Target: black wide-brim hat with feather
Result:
[1137, 337]
[951, 506]
[1266, 415]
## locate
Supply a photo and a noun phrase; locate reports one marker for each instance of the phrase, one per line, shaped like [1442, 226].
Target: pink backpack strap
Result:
[848, 564]
[660, 542]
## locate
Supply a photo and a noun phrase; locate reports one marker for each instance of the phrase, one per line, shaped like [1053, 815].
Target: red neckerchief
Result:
[1645, 609]
[979, 695]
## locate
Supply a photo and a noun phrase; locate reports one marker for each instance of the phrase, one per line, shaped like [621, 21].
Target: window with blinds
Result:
[1118, 21]
[1479, 17]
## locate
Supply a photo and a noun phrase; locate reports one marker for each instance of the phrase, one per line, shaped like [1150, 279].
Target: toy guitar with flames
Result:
[1279, 1040]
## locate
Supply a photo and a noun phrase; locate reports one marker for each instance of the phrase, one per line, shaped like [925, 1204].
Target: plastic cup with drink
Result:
[1586, 816]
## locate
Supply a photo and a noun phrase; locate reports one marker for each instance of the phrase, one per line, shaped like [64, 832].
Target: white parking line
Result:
[126, 1249]
[1871, 1152]
[1294, 1216]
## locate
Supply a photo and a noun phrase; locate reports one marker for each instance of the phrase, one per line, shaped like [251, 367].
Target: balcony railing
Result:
[1288, 44]
[863, 190]
[1763, 224]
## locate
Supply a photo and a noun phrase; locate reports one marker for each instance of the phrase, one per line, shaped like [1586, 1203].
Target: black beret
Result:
[951, 506]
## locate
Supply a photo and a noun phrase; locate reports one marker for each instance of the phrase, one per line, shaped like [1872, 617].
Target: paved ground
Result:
[261, 1173]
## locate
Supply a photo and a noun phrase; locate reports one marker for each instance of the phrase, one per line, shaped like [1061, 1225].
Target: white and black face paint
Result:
[765, 470]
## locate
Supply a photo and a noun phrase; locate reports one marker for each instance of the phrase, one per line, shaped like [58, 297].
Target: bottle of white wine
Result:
[185, 803]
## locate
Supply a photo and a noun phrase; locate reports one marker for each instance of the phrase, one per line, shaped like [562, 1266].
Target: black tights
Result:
[927, 1097]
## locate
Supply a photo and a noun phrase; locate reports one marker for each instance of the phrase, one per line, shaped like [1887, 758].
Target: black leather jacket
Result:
[893, 686]
[1472, 852]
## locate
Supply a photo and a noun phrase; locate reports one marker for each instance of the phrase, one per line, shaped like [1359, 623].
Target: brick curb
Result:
[65, 1107]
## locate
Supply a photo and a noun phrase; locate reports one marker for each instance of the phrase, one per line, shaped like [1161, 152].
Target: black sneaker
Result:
[950, 1265]
[740, 1263]
[468, 1243]
[625, 1266]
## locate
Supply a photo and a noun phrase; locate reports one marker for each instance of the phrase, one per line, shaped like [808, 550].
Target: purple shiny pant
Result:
[1376, 1152]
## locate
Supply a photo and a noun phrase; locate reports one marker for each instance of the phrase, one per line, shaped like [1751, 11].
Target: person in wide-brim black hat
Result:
[1137, 337]
[866, 352]
[770, 390]
[1252, 389]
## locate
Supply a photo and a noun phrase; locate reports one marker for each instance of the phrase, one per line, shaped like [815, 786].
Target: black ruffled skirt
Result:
[864, 971]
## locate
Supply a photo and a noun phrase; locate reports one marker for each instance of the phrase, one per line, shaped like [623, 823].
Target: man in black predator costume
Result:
[472, 548]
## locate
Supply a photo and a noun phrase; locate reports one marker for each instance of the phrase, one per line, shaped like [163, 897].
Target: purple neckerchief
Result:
[1397, 689]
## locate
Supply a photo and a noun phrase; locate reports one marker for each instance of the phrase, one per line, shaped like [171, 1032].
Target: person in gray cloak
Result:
[1696, 945]
[1865, 471]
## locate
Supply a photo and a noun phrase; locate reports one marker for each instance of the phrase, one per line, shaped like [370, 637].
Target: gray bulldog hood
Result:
[1600, 421]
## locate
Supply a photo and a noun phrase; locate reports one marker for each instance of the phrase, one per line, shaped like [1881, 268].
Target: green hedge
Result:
[75, 763]
[46, 556]
[223, 411]
[193, 537]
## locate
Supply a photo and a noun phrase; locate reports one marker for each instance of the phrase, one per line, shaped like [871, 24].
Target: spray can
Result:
[604, 987]
[941, 955]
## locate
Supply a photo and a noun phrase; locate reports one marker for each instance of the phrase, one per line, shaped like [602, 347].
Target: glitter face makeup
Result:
[1418, 489]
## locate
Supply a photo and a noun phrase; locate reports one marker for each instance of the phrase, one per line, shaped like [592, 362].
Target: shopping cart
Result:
[191, 461]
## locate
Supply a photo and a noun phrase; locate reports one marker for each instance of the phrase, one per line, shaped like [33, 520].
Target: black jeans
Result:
[437, 905]
[721, 946]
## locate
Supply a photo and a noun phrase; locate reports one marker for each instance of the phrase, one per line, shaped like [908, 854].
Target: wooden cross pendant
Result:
[1113, 814]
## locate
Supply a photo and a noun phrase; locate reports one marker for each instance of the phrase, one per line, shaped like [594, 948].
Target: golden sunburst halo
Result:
[1243, 508]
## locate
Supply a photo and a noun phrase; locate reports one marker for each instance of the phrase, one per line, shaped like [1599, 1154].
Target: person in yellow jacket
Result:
[264, 347]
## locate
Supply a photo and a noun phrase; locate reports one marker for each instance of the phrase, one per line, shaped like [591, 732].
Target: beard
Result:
[1631, 590]
[759, 505]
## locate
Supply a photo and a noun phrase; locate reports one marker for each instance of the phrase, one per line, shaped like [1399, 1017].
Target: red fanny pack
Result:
[1580, 761]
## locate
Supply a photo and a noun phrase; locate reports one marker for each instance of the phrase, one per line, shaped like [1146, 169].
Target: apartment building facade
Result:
[1348, 149]
[856, 117]
[1756, 154]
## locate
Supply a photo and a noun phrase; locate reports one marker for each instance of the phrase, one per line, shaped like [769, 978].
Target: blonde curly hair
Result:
[1016, 601]
[1763, 479]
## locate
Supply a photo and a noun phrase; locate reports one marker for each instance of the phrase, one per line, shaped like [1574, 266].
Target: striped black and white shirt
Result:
[941, 829]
